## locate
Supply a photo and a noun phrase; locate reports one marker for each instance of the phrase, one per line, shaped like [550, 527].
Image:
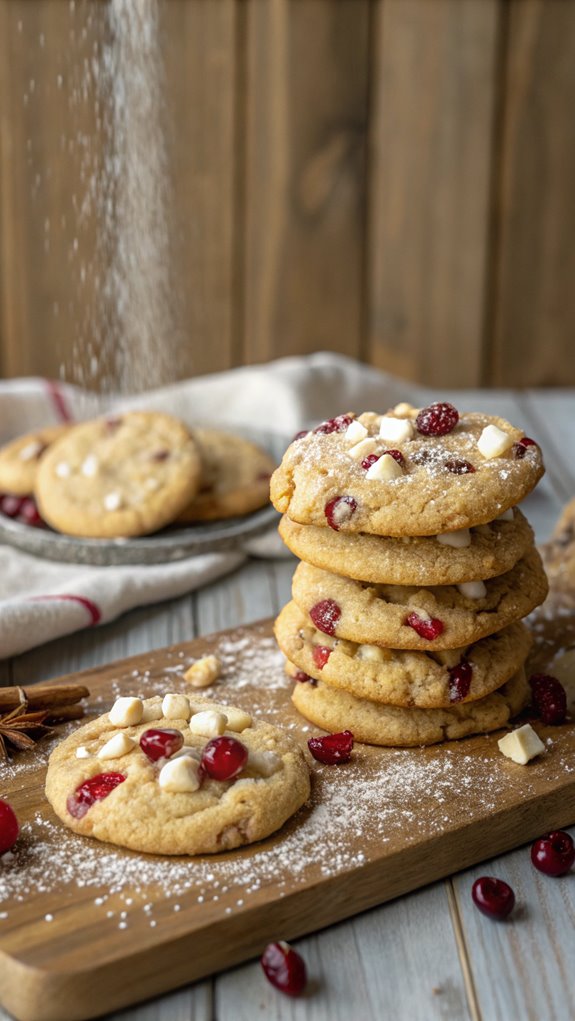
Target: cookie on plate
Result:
[235, 477]
[417, 617]
[20, 459]
[407, 472]
[455, 557]
[121, 476]
[133, 777]
[379, 724]
[428, 680]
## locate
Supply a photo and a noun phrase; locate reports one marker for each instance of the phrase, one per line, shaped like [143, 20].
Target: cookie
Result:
[20, 459]
[559, 552]
[387, 476]
[374, 723]
[410, 617]
[428, 680]
[235, 477]
[122, 476]
[166, 805]
[484, 552]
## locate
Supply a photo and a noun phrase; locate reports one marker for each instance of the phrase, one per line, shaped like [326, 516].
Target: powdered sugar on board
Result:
[381, 799]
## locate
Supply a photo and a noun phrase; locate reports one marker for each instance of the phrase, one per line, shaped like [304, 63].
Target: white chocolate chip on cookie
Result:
[118, 745]
[126, 711]
[180, 775]
[395, 430]
[208, 723]
[176, 707]
[494, 441]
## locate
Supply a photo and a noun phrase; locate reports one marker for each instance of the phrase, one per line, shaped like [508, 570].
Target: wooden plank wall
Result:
[390, 179]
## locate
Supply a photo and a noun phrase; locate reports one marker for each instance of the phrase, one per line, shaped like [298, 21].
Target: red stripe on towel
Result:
[92, 608]
[57, 398]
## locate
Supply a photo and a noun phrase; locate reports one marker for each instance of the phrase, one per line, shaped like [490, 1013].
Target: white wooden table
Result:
[430, 955]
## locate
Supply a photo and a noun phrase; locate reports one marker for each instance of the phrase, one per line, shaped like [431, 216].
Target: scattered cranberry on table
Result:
[548, 698]
[161, 744]
[493, 897]
[223, 758]
[437, 420]
[9, 827]
[284, 968]
[333, 748]
[554, 853]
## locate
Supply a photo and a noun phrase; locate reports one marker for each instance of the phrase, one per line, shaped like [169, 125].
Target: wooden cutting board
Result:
[86, 928]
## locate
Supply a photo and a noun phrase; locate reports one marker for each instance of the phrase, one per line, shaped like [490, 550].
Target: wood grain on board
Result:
[51, 973]
[307, 76]
[430, 171]
[535, 299]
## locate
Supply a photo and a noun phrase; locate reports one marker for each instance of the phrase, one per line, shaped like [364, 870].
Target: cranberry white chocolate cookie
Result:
[235, 477]
[429, 680]
[559, 552]
[449, 559]
[407, 472]
[375, 723]
[177, 776]
[417, 617]
[126, 475]
[20, 459]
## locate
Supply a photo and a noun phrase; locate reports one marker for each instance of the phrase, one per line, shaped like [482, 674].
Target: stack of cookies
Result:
[130, 474]
[417, 568]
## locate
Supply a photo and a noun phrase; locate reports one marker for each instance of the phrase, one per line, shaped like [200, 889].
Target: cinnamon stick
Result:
[42, 696]
[65, 712]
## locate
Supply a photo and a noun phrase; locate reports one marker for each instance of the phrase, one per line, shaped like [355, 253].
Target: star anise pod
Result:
[21, 729]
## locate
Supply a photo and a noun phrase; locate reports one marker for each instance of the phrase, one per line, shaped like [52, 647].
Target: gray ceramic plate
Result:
[163, 547]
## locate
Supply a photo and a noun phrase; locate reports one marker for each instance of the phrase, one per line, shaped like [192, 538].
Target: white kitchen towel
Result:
[41, 600]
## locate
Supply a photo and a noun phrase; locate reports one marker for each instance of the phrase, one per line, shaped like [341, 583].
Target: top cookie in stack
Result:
[417, 571]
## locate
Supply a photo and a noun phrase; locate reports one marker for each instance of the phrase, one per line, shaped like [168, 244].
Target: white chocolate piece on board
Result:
[203, 672]
[521, 745]
[126, 711]
[180, 775]
[494, 441]
[176, 707]
[208, 723]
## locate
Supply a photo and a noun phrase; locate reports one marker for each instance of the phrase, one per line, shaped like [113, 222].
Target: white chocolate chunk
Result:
[494, 441]
[63, 470]
[238, 720]
[371, 652]
[82, 752]
[203, 672]
[112, 501]
[152, 712]
[384, 469]
[180, 775]
[507, 515]
[521, 745]
[208, 723]
[473, 589]
[176, 707]
[118, 745]
[126, 711]
[355, 432]
[30, 451]
[395, 430]
[265, 763]
[403, 410]
[458, 539]
[421, 613]
[90, 466]
[362, 449]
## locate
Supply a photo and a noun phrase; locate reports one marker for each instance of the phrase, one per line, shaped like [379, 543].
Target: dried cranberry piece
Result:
[372, 458]
[160, 455]
[94, 789]
[520, 448]
[161, 744]
[10, 505]
[284, 968]
[333, 748]
[460, 681]
[493, 897]
[9, 827]
[339, 510]
[334, 425]
[321, 654]
[302, 678]
[112, 423]
[554, 853]
[224, 757]
[437, 420]
[325, 615]
[29, 514]
[459, 467]
[429, 629]
[548, 698]
[300, 435]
